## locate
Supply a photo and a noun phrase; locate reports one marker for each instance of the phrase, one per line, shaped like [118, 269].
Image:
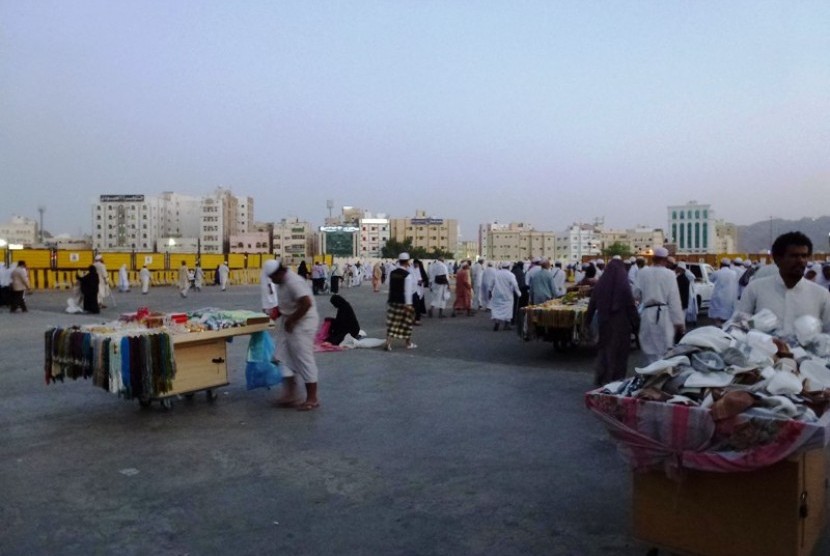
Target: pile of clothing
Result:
[218, 319]
[743, 367]
[729, 399]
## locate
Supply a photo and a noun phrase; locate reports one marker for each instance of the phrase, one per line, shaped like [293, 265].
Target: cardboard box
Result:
[775, 511]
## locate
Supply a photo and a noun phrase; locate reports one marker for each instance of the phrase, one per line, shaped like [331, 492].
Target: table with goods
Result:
[726, 438]
[559, 320]
[153, 356]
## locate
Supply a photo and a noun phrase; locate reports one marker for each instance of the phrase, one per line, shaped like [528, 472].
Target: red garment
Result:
[463, 290]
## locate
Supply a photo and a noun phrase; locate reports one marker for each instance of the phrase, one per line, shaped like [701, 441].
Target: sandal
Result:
[308, 406]
[411, 346]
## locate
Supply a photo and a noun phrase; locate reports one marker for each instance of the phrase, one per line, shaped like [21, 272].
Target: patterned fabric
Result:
[653, 435]
[399, 318]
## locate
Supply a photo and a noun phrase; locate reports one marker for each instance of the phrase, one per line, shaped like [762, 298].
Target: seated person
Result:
[345, 322]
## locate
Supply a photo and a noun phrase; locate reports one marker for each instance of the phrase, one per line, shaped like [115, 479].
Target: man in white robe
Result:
[559, 277]
[788, 294]
[476, 275]
[487, 279]
[224, 273]
[661, 313]
[103, 280]
[198, 278]
[123, 279]
[502, 291]
[439, 286]
[144, 277]
[184, 279]
[724, 294]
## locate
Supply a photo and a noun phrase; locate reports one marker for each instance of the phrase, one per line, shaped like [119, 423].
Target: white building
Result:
[125, 222]
[517, 241]
[640, 240]
[692, 228]
[19, 231]
[374, 233]
[179, 215]
[293, 240]
[223, 215]
[577, 242]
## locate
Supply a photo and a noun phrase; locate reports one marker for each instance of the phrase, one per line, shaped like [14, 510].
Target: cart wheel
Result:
[211, 395]
[144, 403]
[189, 397]
[166, 403]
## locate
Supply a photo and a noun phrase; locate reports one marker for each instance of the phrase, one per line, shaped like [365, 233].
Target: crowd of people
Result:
[628, 299]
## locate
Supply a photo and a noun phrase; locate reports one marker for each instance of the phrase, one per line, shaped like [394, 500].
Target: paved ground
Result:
[474, 443]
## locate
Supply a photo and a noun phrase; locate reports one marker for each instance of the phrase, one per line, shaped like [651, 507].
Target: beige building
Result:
[293, 241]
[640, 241]
[517, 241]
[427, 232]
[19, 231]
[726, 237]
[250, 242]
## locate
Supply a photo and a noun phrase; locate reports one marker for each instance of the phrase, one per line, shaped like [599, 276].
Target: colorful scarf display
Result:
[137, 364]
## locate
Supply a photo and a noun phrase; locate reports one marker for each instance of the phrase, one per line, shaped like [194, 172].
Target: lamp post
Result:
[41, 209]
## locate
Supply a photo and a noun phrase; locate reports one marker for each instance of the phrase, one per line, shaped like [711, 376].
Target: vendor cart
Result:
[747, 486]
[556, 321]
[164, 364]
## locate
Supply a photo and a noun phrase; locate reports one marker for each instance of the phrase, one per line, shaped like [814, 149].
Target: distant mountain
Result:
[755, 238]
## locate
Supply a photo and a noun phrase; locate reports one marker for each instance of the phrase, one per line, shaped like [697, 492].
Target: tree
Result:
[617, 248]
[393, 248]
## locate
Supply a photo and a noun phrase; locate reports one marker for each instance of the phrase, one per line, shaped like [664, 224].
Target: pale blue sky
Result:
[544, 112]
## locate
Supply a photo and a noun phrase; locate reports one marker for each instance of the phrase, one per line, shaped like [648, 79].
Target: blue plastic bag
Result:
[260, 370]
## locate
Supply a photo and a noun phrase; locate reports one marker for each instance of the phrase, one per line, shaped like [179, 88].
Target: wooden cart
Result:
[776, 511]
[202, 362]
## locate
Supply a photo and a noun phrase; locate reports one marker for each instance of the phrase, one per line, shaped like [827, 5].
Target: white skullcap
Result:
[725, 261]
[270, 266]
[600, 261]
[616, 257]
[738, 260]
[747, 263]
[536, 260]
[99, 258]
[404, 257]
[505, 265]
[661, 252]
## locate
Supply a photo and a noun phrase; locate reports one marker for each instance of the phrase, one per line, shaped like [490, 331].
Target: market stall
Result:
[151, 356]
[726, 437]
[559, 321]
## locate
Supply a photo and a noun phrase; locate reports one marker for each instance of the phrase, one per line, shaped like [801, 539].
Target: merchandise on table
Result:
[730, 399]
[563, 314]
[131, 362]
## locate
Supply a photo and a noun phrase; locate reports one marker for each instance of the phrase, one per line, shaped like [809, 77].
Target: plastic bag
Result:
[260, 370]
[447, 295]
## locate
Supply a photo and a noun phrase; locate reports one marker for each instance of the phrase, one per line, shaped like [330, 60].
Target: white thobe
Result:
[487, 278]
[144, 276]
[103, 281]
[559, 281]
[123, 279]
[224, 272]
[476, 277]
[805, 298]
[438, 268]
[724, 294]
[660, 309]
[504, 287]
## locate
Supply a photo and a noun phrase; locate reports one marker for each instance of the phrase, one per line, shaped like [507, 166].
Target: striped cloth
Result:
[399, 318]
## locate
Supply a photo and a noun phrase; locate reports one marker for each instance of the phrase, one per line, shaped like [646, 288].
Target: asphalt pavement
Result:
[474, 443]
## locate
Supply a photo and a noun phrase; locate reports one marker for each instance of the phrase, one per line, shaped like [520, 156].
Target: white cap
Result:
[738, 260]
[725, 261]
[616, 257]
[505, 265]
[661, 252]
[747, 263]
[600, 261]
[536, 260]
[99, 258]
[270, 266]
[404, 257]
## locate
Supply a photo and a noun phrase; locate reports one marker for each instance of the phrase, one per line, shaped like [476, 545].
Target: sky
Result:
[549, 112]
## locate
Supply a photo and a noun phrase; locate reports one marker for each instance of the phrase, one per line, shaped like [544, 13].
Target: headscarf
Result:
[420, 266]
[345, 322]
[518, 271]
[302, 270]
[612, 292]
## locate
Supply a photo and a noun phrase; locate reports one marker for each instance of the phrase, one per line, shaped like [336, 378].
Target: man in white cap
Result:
[296, 328]
[637, 263]
[103, 280]
[400, 312]
[559, 278]
[439, 286]
[224, 272]
[661, 311]
[535, 266]
[724, 294]
[504, 287]
[268, 289]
